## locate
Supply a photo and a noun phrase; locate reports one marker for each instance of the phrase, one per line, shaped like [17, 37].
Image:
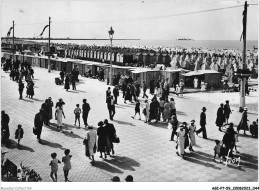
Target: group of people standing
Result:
[106, 133]
[71, 77]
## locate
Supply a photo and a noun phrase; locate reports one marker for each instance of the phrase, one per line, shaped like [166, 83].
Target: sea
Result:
[210, 44]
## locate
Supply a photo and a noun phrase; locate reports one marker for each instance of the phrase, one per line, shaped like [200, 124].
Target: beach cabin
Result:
[138, 57]
[174, 75]
[208, 76]
[138, 75]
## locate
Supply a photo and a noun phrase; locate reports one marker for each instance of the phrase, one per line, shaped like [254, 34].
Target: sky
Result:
[142, 19]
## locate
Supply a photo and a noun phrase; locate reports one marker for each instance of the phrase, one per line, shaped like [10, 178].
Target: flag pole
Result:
[49, 46]
[13, 39]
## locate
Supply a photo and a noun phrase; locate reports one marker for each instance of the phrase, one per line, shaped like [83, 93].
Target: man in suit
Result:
[85, 111]
[111, 134]
[144, 89]
[227, 111]
[38, 123]
[20, 89]
[203, 123]
[116, 93]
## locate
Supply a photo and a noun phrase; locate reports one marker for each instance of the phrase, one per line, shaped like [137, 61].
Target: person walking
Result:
[58, 116]
[103, 140]
[144, 89]
[174, 122]
[85, 110]
[192, 130]
[77, 112]
[203, 123]
[128, 95]
[30, 89]
[172, 106]
[73, 82]
[5, 132]
[49, 110]
[167, 111]
[137, 109]
[243, 122]
[67, 165]
[152, 86]
[44, 107]
[137, 89]
[54, 167]
[19, 134]
[90, 147]
[108, 94]
[38, 123]
[112, 108]
[181, 87]
[20, 89]
[67, 83]
[110, 128]
[181, 141]
[161, 103]
[220, 117]
[146, 111]
[116, 93]
[227, 111]
[154, 109]
[124, 87]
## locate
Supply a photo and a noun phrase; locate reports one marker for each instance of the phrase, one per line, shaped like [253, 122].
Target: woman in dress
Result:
[167, 111]
[181, 141]
[103, 140]
[192, 129]
[67, 83]
[91, 138]
[220, 117]
[58, 115]
[147, 109]
[243, 122]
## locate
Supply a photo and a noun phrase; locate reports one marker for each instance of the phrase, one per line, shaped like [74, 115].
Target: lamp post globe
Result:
[111, 34]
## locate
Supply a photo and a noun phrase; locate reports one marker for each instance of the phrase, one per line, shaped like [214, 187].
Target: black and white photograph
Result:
[160, 93]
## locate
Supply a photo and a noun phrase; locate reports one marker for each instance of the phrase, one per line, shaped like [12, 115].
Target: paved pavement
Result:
[144, 151]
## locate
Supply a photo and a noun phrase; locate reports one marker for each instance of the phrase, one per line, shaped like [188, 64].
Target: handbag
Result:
[85, 141]
[116, 139]
[34, 131]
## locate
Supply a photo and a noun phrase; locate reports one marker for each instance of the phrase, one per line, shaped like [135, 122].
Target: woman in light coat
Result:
[181, 141]
[192, 129]
[90, 148]
[58, 116]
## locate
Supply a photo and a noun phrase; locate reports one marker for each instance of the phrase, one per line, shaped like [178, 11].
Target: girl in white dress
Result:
[58, 115]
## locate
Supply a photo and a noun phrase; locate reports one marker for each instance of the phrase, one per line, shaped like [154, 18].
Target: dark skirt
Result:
[67, 85]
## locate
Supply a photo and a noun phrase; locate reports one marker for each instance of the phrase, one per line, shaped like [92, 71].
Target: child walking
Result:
[77, 113]
[217, 150]
[54, 166]
[67, 164]
[137, 109]
[19, 134]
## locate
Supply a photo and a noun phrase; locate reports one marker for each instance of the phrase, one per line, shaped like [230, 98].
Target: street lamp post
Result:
[49, 46]
[111, 33]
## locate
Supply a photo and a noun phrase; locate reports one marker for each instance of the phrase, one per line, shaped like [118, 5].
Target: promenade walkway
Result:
[144, 151]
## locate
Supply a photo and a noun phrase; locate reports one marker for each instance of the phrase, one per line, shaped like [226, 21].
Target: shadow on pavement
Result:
[13, 144]
[50, 144]
[27, 100]
[72, 135]
[40, 100]
[105, 166]
[159, 124]
[123, 122]
[81, 91]
[200, 156]
[248, 158]
[206, 164]
[73, 91]
[123, 162]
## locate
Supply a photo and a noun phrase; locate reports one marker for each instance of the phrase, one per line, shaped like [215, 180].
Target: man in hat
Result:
[38, 123]
[203, 123]
[85, 110]
[20, 89]
[220, 117]
[243, 122]
[116, 93]
[227, 111]
[49, 109]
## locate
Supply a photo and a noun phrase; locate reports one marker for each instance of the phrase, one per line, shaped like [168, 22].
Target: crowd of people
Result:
[162, 107]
